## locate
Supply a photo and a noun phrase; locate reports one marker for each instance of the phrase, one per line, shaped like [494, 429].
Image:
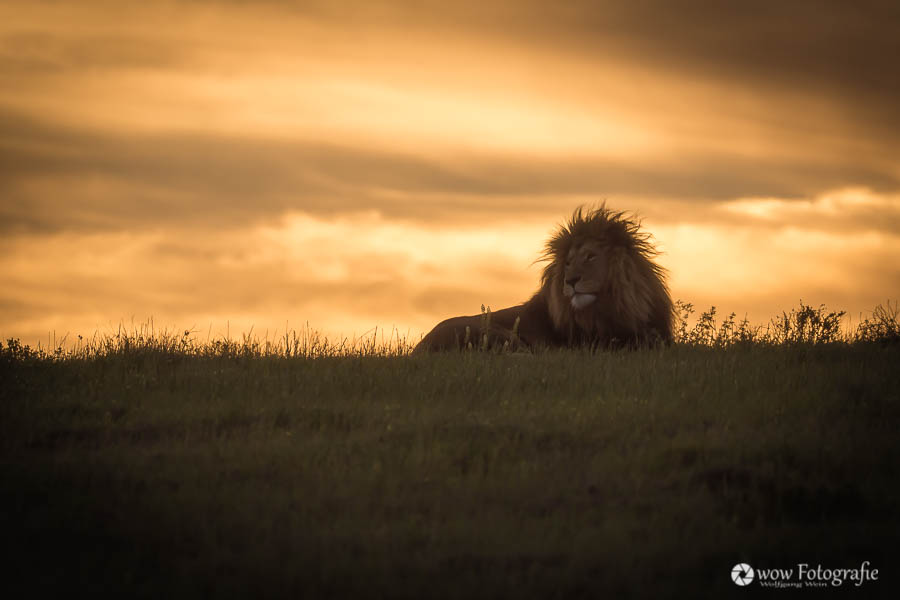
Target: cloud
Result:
[841, 50]
[833, 47]
[844, 210]
[34, 52]
[343, 275]
[57, 177]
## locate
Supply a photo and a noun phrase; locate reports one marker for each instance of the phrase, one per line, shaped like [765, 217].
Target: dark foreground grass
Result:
[149, 472]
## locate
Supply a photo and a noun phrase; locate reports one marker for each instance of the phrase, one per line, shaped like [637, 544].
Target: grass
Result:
[156, 466]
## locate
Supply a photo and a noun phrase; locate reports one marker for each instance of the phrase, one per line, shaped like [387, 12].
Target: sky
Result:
[344, 166]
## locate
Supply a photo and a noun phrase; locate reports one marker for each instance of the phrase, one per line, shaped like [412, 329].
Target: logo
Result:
[804, 576]
[742, 574]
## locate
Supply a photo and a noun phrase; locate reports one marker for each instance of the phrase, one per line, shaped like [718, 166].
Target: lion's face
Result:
[584, 273]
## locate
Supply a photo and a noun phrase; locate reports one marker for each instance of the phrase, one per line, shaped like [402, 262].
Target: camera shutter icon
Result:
[742, 574]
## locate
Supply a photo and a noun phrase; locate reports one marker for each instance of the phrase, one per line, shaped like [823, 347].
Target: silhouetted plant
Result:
[883, 326]
[807, 325]
[682, 314]
[15, 351]
[707, 332]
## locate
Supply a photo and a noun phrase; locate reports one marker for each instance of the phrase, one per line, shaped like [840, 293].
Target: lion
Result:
[600, 289]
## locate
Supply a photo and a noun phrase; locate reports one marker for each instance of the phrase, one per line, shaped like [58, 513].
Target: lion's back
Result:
[450, 334]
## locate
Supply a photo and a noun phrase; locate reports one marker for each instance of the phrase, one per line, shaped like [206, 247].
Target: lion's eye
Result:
[591, 257]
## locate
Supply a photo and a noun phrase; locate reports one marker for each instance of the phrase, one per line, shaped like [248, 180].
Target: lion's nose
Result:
[573, 280]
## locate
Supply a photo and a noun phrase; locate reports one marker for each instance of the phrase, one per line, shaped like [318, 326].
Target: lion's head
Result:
[601, 285]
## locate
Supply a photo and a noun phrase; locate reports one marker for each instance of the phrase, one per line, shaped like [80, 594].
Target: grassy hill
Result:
[153, 466]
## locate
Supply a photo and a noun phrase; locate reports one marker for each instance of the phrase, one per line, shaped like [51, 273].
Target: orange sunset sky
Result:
[360, 164]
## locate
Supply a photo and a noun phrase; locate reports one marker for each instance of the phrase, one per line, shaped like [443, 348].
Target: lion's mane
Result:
[631, 305]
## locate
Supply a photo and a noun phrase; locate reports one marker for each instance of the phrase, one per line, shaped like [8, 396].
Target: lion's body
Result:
[600, 288]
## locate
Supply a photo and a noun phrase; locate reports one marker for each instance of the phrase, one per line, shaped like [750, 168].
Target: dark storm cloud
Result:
[54, 177]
